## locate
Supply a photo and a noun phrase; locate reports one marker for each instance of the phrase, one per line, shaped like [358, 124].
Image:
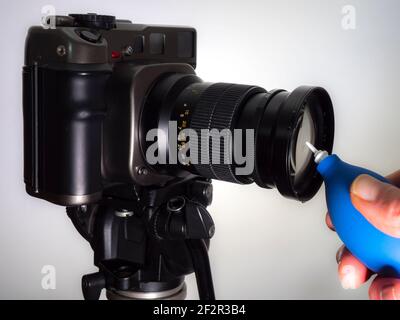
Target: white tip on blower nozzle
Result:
[319, 155]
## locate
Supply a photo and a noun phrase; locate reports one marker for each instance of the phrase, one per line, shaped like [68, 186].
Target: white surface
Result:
[265, 246]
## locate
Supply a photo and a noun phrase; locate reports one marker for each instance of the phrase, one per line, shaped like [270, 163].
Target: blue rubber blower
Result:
[378, 251]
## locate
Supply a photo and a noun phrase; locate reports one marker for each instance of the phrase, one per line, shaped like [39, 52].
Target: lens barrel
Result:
[277, 131]
[278, 121]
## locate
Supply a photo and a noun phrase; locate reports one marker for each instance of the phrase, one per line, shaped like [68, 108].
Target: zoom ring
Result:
[217, 109]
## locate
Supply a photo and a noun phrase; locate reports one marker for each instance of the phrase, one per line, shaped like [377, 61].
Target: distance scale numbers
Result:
[182, 123]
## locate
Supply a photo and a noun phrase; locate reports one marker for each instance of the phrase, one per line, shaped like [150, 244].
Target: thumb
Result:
[378, 202]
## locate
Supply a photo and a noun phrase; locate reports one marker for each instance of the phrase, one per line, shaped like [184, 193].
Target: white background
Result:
[265, 245]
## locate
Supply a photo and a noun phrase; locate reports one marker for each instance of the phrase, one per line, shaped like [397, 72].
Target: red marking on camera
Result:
[115, 54]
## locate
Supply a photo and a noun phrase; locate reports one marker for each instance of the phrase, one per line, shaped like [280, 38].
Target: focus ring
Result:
[201, 119]
[219, 111]
[224, 117]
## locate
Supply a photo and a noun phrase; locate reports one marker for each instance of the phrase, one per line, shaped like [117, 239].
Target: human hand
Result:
[379, 203]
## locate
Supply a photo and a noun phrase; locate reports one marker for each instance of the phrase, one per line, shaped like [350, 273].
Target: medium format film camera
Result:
[119, 129]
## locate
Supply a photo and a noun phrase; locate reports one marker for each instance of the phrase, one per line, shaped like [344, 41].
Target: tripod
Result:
[145, 240]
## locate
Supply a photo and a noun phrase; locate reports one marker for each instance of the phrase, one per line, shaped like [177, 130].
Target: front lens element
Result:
[300, 155]
[306, 114]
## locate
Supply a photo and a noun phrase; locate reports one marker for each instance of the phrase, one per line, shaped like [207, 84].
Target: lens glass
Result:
[300, 154]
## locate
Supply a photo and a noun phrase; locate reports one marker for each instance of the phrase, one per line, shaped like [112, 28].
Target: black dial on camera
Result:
[93, 20]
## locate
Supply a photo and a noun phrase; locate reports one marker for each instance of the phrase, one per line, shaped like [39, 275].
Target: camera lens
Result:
[278, 124]
[300, 155]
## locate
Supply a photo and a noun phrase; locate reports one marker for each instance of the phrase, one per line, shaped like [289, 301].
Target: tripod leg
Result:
[201, 265]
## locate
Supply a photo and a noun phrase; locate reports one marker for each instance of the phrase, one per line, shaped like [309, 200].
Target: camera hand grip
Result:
[63, 114]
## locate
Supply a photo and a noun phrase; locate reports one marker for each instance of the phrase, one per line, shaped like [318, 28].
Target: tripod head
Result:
[145, 240]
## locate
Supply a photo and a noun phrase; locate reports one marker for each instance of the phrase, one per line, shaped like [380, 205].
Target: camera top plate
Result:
[102, 39]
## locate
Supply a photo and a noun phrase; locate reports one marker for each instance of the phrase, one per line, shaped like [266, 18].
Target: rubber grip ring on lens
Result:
[201, 119]
[223, 115]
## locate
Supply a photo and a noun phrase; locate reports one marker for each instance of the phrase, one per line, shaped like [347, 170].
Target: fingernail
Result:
[389, 293]
[339, 254]
[366, 187]
[348, 277]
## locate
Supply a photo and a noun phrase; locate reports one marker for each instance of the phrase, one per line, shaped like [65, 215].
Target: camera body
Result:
[84, 86]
